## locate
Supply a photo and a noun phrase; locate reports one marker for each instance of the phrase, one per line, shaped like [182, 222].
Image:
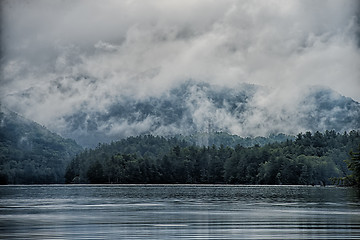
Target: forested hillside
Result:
[29, 153]
[309, 159]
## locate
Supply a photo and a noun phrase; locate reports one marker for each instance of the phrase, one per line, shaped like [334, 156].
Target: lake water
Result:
[178, 212]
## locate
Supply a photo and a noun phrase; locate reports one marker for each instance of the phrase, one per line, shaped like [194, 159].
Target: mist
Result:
[61, 59]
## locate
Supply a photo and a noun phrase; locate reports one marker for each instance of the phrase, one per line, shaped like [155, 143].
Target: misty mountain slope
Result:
[191, 107]
[246, 110]
[331, 109]
[30, 153]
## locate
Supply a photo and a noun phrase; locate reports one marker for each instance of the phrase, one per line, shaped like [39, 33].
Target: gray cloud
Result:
[62, 57]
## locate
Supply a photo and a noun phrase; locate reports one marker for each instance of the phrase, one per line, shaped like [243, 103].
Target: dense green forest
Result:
[29, 153]
[353, 163]
[311, 158]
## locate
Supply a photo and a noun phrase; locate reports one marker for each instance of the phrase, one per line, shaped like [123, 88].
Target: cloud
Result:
[62, 57]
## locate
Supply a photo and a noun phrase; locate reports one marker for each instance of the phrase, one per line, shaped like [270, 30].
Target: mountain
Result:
[246, 110]
[30, 153]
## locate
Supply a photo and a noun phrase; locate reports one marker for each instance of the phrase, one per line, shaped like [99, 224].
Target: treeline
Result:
[309, 159]
[222, 138]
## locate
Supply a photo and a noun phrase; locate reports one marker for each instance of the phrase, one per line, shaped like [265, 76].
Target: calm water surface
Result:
[178, 212]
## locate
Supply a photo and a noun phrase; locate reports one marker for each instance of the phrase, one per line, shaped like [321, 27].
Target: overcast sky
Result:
[142, 48]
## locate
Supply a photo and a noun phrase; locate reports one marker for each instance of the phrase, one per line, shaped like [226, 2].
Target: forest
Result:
[308, 159]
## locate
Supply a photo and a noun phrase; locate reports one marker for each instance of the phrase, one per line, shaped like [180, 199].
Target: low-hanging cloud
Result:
[63, 57]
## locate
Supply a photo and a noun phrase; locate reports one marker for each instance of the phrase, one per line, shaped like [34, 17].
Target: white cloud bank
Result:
[60, 57]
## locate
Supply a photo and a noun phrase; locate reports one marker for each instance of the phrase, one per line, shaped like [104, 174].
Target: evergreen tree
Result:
[354, 166]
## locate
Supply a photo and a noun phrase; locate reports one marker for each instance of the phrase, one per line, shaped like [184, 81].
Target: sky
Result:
[61, 56]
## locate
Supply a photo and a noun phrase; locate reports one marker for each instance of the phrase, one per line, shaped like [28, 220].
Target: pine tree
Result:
[354, 166]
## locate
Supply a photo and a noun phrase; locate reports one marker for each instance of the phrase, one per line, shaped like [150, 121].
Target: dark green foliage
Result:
[309, 159]
[95, 174]
[353, 164]
[29, 153]
[123, 159]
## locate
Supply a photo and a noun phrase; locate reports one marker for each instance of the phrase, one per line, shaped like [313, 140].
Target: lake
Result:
[178, 212]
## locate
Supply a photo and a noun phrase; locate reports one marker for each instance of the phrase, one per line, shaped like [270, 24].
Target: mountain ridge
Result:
[201, 107]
